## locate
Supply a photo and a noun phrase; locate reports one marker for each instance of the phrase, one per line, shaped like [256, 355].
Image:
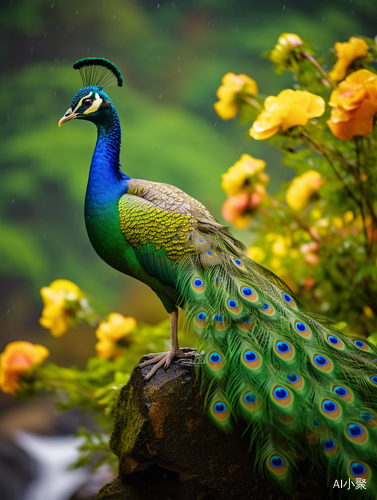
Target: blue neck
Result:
[106, 180]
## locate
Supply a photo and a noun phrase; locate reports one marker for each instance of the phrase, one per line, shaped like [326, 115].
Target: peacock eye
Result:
[87, 102]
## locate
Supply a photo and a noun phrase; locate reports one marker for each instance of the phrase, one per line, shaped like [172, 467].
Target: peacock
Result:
[306, 388]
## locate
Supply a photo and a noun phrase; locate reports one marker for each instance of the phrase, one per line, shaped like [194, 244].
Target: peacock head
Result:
[91, 102]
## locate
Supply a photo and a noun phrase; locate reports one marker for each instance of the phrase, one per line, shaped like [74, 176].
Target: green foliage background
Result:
[172, 56]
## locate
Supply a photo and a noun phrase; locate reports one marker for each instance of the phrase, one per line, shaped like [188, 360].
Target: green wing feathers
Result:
[304, 386]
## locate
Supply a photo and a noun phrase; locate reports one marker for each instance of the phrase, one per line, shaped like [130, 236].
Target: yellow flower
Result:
[17, 358]
[110, 331]
[282, 54]
[234, 89]
[243, 176]
[116, 327]
[280, 246]
[368, 312]
[56, 311]
[105, 348]
[354, 104]
[346, 53]
[256, 253]
[289, 109]
[349, 216]
[302, 188]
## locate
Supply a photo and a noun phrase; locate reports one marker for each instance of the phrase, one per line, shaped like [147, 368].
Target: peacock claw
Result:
[165, 358]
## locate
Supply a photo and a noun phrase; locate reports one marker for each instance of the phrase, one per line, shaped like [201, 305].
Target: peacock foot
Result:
[165, 358]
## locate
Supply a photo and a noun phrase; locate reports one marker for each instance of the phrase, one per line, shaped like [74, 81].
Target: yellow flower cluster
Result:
[281, 55]
[256, 253]
[346, 53]
[302, 188]
[289, 109]
[234, 89]
[244, 184]
[354, 104]
[58, 299]
[109, 332]
[245, 175]
[16, 360]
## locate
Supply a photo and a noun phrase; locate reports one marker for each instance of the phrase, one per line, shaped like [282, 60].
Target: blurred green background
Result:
[172, 56]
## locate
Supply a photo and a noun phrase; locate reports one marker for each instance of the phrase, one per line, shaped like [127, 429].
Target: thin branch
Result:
[361, 184]
[319, 67]
[323, 151]
[326, 155]
[361, 188]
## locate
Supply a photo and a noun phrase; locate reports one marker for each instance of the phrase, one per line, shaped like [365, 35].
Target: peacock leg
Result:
[165, 358]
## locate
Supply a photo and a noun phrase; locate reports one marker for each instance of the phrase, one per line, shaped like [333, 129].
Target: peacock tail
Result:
[303, 387]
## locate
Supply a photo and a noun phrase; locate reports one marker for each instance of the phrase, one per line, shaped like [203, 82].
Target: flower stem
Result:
[327, 154]
[253, 102]
[319, 67]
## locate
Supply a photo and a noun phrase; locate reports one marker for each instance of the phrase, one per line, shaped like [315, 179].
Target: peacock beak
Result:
[69, 115]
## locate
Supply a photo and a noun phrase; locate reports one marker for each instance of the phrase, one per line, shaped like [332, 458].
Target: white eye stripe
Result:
[81, 100]
[96, 104]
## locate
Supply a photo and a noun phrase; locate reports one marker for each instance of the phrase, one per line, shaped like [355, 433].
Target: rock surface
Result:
[168, 449]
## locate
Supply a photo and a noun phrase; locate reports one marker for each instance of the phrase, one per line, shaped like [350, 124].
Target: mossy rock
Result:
[169, 449]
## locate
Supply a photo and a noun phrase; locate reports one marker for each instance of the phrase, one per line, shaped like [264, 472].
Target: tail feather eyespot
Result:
[215, 362]
[211, 253]
[343, 392]
[250, 401]
[268, 310]
[233, 306]
[251, 359]
[201, 319]
[277, 465]
[238, 263]
[247, 324]
[220, 321]
[219, 411]
[356, 433]
[322, 363]
[335, 341]
[249, 294]
[198, 284]
[295, 380]
[282, 396]
[302, 329]
[361, 345]
[284, 350]
[358, 470]
[330, 446]
[331, 409]
[288, 299]
[366, 416]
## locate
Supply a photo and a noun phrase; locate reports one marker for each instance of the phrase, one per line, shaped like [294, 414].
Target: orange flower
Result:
[282, 56]
[302, 188]
[310, 251]
[18, 358]
[354, 104]
[237, 209]
[289, 109]
[57, 298]
[346, 53]
[109, 332]
[234, 89]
